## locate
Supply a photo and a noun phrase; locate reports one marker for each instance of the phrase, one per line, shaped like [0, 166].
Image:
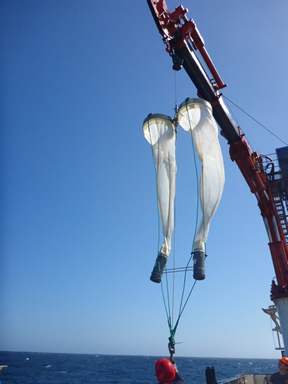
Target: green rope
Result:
[167, 310]
[183, 306]
[167, 304]
[196, 223]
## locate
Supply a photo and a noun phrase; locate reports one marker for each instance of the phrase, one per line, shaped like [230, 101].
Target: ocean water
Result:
[59, 368]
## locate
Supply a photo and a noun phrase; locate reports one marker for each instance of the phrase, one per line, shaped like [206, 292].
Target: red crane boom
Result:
[183, 40]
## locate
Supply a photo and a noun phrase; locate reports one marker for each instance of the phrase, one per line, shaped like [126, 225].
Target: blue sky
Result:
[79, 229]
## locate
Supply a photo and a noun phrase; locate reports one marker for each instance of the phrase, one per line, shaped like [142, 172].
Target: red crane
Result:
[183, 41]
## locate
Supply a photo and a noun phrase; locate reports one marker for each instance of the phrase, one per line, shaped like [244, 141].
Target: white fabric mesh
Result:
[196, 118]
[159, 132]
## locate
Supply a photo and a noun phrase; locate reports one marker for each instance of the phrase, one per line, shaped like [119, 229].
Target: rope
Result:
[183, 305]
[174, 256]
[196, 224]
[251, 117]
[175, 81]
[174, 237]
[167, 306]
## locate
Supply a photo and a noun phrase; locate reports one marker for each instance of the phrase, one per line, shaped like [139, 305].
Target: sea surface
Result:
[59, 368]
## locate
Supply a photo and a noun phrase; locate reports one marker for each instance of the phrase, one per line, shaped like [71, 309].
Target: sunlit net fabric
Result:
[195, 116]
[159, 132]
